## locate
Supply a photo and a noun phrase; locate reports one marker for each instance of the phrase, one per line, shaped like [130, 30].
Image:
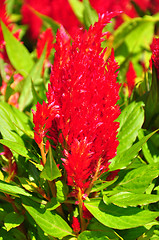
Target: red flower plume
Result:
[84, 88]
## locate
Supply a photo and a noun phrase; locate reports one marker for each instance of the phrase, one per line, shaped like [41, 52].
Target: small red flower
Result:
[75, 225]
[130, 78]
[7, 153]
[46, 38]
[42, 119]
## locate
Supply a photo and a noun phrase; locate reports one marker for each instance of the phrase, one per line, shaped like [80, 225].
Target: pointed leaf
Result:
[17, 53]
[49, 222]
[36, 96]
[12, 189]
[131, 120]
[90, 14]
[26, 96]
[78, 8]
[123, 159]
[138, 180]
[53, 204]
[126, 40]
[124, 199]
[50, 171]
[100, 185]
[16, 147]
[150, 151]
[119, 218]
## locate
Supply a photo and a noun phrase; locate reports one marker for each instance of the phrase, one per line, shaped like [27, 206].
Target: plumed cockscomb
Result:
[84, 88]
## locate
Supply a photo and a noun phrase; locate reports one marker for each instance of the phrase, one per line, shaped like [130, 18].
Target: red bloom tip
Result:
[7, 153]
[155, 53]
[130, 78]
[86, 213]
[46, 38]
[76, 225]
[78, 164]
[42, 119]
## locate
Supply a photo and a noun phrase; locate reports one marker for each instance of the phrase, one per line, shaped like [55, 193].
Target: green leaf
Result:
[119, 218]
[16, 147]
[50, 171]
[90, 235]
[13, 220]
[131, 120]
[125, 199]
[150, 151]
[126, 40]
[12, 189]
[9, 91]
[18, 55]
[53, 204]
[90, 14]
[100, 185]
[138, 180]
[78, 8]
[36, 96]
[49, 222]
[10, 118]
[26, 96]
[97, 226]
[62, 191]
[123, 159]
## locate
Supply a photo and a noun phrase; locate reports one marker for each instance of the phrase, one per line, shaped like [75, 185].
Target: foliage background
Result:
[124, 203]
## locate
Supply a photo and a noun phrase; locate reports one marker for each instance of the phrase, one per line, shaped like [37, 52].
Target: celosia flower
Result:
[59, 10]
[155, 53]
[75, 225]
[84, 88]
[46, 38]
[130, 78]
[11, 168]
[42, 118]
[7, 153]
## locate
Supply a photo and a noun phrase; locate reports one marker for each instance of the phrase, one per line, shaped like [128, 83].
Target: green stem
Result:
[82, 220]
[87, 192]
